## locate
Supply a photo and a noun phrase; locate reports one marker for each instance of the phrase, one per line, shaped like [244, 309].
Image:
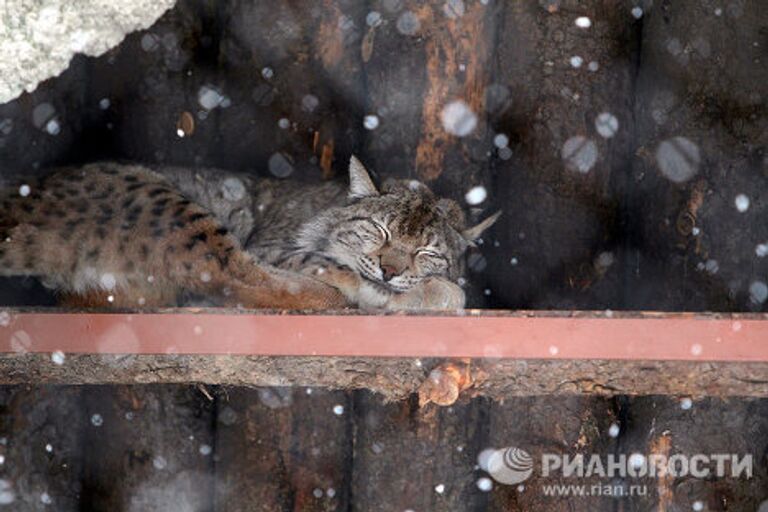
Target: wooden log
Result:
[396, 378]
[283, 449]
[41, 447]
[158, 439]
[417, 459]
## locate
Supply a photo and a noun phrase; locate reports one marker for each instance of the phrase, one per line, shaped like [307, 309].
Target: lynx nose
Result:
[388, 271]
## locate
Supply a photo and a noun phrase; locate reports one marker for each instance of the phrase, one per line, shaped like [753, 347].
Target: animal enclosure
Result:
[626, 145]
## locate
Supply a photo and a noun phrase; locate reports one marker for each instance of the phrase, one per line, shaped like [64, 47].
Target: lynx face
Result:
[396, 238]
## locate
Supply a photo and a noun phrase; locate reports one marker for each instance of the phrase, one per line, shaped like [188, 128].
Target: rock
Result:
[38, 38]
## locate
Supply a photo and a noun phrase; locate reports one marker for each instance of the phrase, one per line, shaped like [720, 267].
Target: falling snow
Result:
[233, 189]
[458, 119]
[440, 488]
[614, 430]
[280, 165]
[637, 12]
[580, 154]
[373, 19]
[698, 506]
[761, 250]
[758, 292]
[58, 357]
[576, 61]
[583, 22]
[97, 420]
[686, 403]
[606, 125]
[371, 122]
[741, 202]
[24, 190]
[501, 141]
[408, 23]
[637, 460]
[678, 159]
[476, 195]
[338, 409]
[484, 484]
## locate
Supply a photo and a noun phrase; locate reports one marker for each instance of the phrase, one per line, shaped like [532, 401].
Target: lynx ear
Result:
[360, 184]
[473, 233]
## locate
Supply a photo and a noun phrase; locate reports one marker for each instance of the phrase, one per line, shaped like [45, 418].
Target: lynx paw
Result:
[433, 294]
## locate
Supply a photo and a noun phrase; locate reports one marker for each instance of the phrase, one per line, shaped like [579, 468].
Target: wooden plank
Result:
[41, 447]
[408, 458]
[522, 335]
[283, 449]
[679, 425]
[550, 425]
[397, 378]
[146, 447]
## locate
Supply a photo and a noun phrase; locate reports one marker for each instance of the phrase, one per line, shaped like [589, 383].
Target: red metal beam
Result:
[584, 335]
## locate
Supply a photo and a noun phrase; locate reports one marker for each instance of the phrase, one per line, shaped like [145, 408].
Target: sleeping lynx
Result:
[124, 235]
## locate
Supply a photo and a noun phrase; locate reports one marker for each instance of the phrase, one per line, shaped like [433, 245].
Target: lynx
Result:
[109, 234]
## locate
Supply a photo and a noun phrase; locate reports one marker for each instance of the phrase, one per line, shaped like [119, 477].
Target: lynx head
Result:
[397, 236]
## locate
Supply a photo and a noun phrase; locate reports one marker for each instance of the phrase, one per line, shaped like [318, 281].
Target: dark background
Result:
[693, 69]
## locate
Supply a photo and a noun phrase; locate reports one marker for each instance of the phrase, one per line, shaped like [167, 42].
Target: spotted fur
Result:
[398, 248]
[108, 234]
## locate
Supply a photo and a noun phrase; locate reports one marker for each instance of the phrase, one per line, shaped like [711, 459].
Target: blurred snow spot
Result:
[678, 159]
[758, 292]
[501, 140]
[159, 463]
[373, 19]
[484, 484]
[205, 450]
[205, 277]
[104, 103]
[593, 66]
[637, 12]
[97, 420]
[58, 357]
[719, 12]
[6, 126]
[330, 492]
[553, 350]
[371, 122]
[408, 23]
[21, 342]
[637, 460]
[761, 251]
[283, 123]
[576, 61]
[110, 298]
[228, 416]
[233, 189]
[7, 496]
[686, 403]
[505, 153]
[496, 96]
[24, 190]
[614, 430]
[338, 409]
[108, 281]
[44, 118]
[580, 154]
[309, 102]
[741, 202]
[317, 493]
[696, 349]
[276, 398]
[209, 97]
[267, 73]
[46, 499]
[149, 42]
[697, 506]
[440, 488]
[583, 22]
[476, 195]
[712, 266]
[458, 119]
[5, 318]
[454, 9]
[606, 125]
[279, 165]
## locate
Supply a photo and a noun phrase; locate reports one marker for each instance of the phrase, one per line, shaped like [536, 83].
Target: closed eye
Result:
[430, 254]
[384, 231]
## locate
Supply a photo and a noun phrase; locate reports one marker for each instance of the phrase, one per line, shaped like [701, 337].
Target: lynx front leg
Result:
[433, 294]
